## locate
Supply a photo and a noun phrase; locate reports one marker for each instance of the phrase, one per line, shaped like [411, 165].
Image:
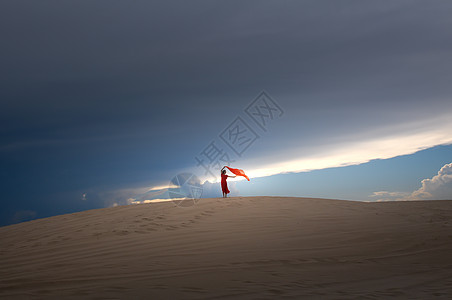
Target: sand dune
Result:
[244, 248]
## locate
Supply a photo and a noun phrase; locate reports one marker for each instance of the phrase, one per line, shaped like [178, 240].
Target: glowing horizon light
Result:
[435, 133]
[163, 187]
[158, 200]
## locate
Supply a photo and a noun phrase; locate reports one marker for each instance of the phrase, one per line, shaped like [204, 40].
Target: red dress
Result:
[224, 184]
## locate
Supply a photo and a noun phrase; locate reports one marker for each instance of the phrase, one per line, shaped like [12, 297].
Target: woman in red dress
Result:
[224, 184]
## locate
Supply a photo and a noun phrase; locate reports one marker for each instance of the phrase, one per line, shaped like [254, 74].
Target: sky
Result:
[105, 102]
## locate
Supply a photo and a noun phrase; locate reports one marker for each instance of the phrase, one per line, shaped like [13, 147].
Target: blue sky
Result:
[359, 182]
[102, 111]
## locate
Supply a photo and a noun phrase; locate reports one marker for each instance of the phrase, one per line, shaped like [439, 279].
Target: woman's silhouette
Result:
[224, 184]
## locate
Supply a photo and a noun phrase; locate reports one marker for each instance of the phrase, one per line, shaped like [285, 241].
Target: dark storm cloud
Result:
[107, 93]
[116, 57]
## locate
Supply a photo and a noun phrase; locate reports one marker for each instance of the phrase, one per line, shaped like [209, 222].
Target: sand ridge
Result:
[235, 248]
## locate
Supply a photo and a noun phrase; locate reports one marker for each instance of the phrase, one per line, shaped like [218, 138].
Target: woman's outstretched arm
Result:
[223, 168]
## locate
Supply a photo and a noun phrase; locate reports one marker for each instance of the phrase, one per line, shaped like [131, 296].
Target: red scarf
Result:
[238, 172]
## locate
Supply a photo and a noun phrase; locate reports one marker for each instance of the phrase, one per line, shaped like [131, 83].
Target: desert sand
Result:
[235, 248]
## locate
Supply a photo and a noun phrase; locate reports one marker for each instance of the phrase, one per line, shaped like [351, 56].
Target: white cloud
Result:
[389, 196]
[131, 195]
[140, 195]
[439, 187]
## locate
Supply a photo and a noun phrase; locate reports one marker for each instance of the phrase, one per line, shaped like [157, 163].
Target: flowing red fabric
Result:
[238, 172]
